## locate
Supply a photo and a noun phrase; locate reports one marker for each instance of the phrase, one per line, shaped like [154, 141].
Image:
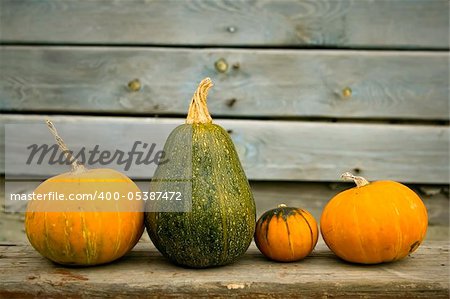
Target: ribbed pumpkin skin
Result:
[84, 238]
[286, 234]
[220, 226]
[380, 222]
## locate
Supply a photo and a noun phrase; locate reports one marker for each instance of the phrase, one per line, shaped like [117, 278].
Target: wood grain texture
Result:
[268, 195]
[269, 150]
[331, 23]
[145, 272]
[258, 83]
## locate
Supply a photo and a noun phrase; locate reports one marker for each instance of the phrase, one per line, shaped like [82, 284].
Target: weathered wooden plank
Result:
[258, 83]
[269, 150]
[144, 272]
[344, 23]
[310, 196]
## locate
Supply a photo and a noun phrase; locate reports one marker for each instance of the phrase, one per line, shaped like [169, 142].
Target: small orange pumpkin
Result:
[286, 234]
[374, 222]
[62, 232]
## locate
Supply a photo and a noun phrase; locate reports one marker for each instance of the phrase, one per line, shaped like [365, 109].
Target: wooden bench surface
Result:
[144, 272]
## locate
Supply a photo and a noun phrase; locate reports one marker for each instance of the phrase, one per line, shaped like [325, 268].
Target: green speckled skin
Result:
[220, 226]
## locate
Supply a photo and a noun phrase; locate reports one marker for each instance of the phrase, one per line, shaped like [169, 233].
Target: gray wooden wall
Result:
[309, 89]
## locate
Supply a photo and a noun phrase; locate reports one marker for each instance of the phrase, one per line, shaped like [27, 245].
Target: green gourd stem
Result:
[76, 166]
[198, 110]
[359, 180]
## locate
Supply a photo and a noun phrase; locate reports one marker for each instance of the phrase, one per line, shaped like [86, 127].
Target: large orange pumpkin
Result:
[374, 222]
[286, 234]
[73, 233]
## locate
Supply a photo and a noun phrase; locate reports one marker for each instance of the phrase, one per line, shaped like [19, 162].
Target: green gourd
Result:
[220, 225]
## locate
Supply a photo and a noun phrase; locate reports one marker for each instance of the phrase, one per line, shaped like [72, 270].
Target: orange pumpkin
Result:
[62, 232]
[374, 222]
[286, 234]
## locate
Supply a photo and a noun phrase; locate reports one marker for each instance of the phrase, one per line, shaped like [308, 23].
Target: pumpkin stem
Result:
[282, 205]
[359, 180]
[76, 166]
[198, 110]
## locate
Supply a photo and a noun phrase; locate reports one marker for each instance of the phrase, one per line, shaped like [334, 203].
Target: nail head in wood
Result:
[347, 92]
[134, 85]
[231, 29]
[221, 65]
